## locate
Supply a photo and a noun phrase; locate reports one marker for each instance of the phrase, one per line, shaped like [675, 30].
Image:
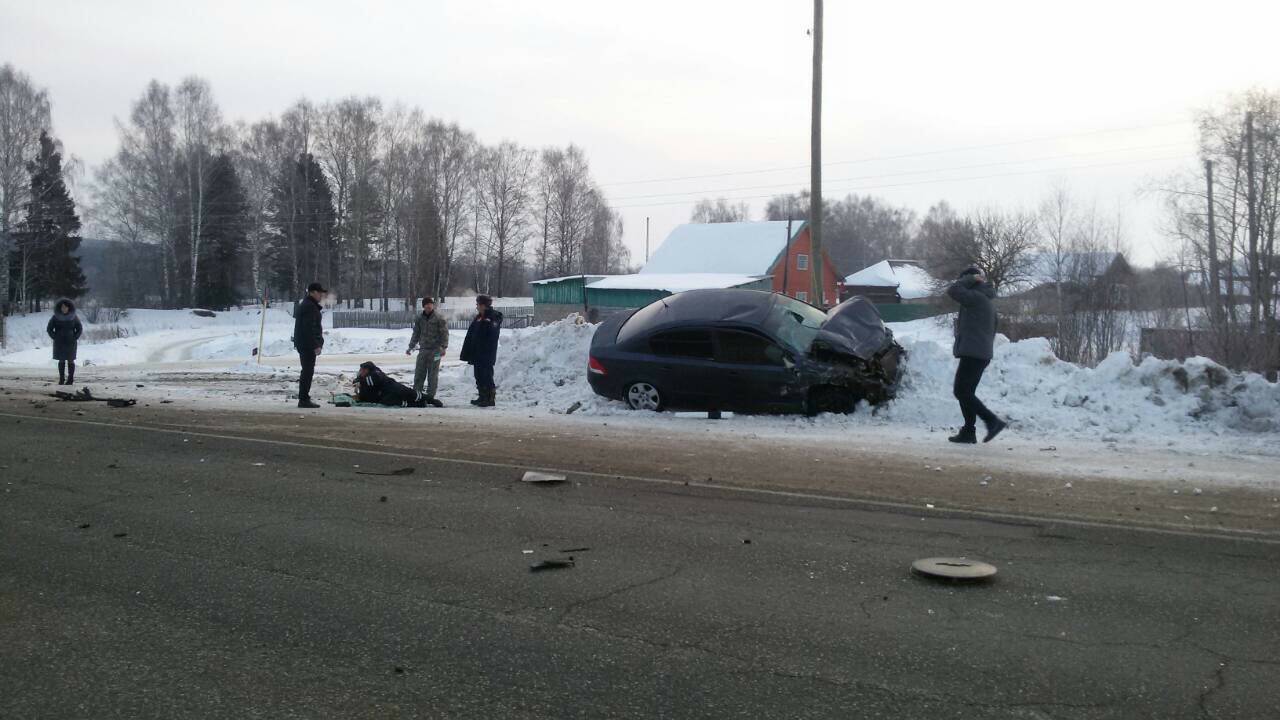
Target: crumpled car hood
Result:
[854, 327]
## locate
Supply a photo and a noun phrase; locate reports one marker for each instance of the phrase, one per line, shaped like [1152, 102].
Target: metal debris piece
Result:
[551, 565]
[542, 477]
[397, 471]
[954, 569]
[573, 408]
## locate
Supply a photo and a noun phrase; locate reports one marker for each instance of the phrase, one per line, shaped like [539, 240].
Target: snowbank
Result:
[1044, 396]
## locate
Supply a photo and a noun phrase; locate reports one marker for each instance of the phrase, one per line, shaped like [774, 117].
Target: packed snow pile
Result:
[1046, 396]
[545, 366]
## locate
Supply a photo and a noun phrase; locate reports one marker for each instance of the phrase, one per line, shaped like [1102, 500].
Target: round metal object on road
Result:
[954, 569]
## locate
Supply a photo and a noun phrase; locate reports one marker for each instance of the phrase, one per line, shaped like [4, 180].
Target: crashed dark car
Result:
[745, 351]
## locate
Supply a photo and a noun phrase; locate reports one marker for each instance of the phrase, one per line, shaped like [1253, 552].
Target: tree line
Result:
[374, 201]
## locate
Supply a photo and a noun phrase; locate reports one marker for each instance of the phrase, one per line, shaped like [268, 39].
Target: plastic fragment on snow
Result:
[533, 476]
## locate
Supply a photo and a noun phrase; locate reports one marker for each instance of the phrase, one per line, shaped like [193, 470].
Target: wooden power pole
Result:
[1253, 261]
[1215, 298]
[816, 284]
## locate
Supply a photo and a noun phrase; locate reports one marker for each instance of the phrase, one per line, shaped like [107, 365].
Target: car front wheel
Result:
[644, 396]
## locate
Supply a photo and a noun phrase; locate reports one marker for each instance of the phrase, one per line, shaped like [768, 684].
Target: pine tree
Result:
[223, 236]
[302, 219]
[45, 261]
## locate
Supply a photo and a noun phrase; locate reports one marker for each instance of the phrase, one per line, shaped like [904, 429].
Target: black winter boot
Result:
[966, 436]
[71, 372]
[479, 399]
[993, 429]
[62, 373]
[434, 402]
[489, 398]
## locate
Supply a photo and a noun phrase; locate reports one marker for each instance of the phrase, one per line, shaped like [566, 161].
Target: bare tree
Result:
[720, 210]
[449, 154]
[1001, 243]
[200, 136]
[504, 198]
[24, 113]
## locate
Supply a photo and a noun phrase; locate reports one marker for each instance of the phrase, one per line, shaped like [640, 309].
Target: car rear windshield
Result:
[795, 323]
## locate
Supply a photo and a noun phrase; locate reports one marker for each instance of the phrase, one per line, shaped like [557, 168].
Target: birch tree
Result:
[24, 114]
[504, 198]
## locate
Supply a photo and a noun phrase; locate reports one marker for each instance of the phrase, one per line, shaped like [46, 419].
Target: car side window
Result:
[682, 343]
[747, 349]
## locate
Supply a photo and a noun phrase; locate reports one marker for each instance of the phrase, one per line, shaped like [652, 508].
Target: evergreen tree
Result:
[223, 237]
[45, 261]
[302, 221]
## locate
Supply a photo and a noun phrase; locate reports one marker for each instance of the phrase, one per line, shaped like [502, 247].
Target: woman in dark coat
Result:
[65, 329]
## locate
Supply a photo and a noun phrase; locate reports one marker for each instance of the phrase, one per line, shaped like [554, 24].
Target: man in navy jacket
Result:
[480, 348]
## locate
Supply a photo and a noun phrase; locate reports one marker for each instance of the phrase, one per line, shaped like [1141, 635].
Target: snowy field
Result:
[1192, 410]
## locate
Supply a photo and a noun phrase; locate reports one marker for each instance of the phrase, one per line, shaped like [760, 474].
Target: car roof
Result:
[727, 306]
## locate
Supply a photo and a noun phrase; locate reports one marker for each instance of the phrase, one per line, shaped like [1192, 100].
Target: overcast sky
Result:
[977, 103]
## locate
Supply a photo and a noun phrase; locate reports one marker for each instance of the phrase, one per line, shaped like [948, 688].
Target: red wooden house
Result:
[748, 248]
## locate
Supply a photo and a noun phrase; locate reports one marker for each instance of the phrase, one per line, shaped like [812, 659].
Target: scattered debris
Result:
[573, 408]
[1213, 509]
[583, 549]
[1068, 486]
[954, 569]
[542, 477]
[1197, 491]
[113, 466]
[85, 526]
[1051, 448]
[396, 472]
[527, 552]
[85, 396]
[551, 565]
[259, 464]
[1054, 598]
[399, 670]
[382, 499]
[746, 541]
[929, 505]
[120, 535]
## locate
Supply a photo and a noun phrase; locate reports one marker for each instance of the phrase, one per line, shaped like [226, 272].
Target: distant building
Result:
[756, 249]
[603, 295]
[891, 281]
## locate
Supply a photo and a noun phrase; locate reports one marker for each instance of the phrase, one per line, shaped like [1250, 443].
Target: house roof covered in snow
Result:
[544, 281]
[911, 280]
[1046, 268]
[674, 282]
[744, 248]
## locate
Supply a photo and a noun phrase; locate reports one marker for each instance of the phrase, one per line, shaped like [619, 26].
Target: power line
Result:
[913, 172]
[941, 180]
[904, 156]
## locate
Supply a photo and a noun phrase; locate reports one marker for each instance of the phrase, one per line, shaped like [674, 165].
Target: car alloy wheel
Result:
[643, 396]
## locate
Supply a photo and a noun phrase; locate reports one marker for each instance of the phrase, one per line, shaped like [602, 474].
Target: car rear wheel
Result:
[644, 396]
[830, 399]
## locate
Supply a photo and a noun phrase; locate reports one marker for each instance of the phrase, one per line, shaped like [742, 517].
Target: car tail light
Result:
[594, 366]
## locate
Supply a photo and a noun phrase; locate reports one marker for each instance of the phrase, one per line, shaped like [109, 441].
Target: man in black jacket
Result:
[480, 348]
[308, 339]
[975, 338]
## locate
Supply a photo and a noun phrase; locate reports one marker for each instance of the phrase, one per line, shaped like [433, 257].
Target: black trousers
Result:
[308, 360]
[968, 375]
[67, 370]
[484, 377]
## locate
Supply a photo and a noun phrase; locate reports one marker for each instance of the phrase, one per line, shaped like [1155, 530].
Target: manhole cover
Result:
[958, 569]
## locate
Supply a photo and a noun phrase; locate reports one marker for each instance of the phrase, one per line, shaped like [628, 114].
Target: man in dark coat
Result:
[480, 348]
[308, 339]
[975, 338]
[65, 330]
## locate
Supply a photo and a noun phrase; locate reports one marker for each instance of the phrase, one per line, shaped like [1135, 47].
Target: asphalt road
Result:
[155, 573]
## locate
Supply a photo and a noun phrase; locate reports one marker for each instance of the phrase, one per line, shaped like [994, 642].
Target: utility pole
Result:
[816, 284]
[1215, 312]
[786, 255]
[646, 239]
[1253, 260]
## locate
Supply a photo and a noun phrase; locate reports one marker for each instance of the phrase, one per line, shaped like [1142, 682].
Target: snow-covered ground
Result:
[1192, 409]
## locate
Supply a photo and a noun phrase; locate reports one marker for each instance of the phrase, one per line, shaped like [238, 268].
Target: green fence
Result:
[905, 312]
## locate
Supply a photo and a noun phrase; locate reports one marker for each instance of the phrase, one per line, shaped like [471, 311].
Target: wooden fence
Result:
[512, 317]
[1238, 351]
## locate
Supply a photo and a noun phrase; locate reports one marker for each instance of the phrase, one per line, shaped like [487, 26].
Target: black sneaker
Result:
[994, 429]
[307, 404]
[966, 436]
[434, 402]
